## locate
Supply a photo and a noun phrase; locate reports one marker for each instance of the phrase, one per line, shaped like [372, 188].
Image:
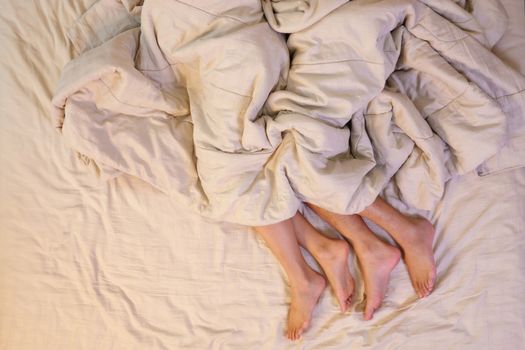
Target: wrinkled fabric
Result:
[90, 264]
[292, 16]
[210, 103]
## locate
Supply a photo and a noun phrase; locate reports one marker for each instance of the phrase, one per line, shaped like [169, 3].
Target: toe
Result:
[300, 332]
[417, 288]
[421, 289]
[369, 311]
[370, 314]
[344, 307]
[291, 332]
[432, 280]
[428, 287]
[342, 303]
[372, 306]
[345, 303]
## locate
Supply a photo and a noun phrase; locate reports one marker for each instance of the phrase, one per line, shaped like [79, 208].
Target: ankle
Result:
[367, 243]
[371, 247]
[330, 249]
[415, 230]
[304, 279]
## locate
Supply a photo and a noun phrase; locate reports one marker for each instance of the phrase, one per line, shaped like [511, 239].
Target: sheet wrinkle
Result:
[212, 14]
[160, 69]
[455, 40]
[265, 134]
[447, 105]
[339, 61]
[115, 97]
[173, 263]
[511, 94]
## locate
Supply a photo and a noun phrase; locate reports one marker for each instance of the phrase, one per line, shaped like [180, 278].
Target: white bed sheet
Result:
[89, 264]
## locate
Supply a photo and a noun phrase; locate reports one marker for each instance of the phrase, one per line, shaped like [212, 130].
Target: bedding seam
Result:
[211, 14]
[131, 105]
[330, 62]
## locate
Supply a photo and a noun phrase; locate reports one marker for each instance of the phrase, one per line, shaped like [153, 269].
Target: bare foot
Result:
[333, 259]
[304, 299]
[419, 257]
[415, 237]
[377, 259]
[377, 263]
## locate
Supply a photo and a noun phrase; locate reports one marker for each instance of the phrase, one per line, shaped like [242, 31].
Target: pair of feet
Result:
[376, 261]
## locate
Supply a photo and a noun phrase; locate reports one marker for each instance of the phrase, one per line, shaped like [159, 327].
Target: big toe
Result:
[298, 331]
[424, 285]
[344, 299]
[292, 333]
[369, 312]
[371, 306]
[420, 289]
[301, 330]
[344, 304]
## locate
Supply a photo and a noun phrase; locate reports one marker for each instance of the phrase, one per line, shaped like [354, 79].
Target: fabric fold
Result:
[214, 106]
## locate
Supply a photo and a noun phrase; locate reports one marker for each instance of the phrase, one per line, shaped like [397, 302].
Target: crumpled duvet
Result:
[244, 109]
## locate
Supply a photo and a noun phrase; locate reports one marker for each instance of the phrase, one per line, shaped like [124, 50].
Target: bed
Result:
[94, 260]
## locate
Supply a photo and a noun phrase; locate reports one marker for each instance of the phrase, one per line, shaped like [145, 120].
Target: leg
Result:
[415, 237]
[331, 254]
[306, 284]
[377, 259]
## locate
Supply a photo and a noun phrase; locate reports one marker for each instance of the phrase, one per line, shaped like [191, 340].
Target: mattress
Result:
[111, 262]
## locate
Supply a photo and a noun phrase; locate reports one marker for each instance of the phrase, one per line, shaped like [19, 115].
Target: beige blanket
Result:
[209, 102]
[92, 264]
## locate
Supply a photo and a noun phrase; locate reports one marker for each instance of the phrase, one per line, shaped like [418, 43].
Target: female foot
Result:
[333, 259]
[305, 295]
[332, 255]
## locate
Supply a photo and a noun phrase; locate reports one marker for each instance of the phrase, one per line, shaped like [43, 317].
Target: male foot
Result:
[377, 263]
[415, 237]
[304, 298]
[419, 257]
